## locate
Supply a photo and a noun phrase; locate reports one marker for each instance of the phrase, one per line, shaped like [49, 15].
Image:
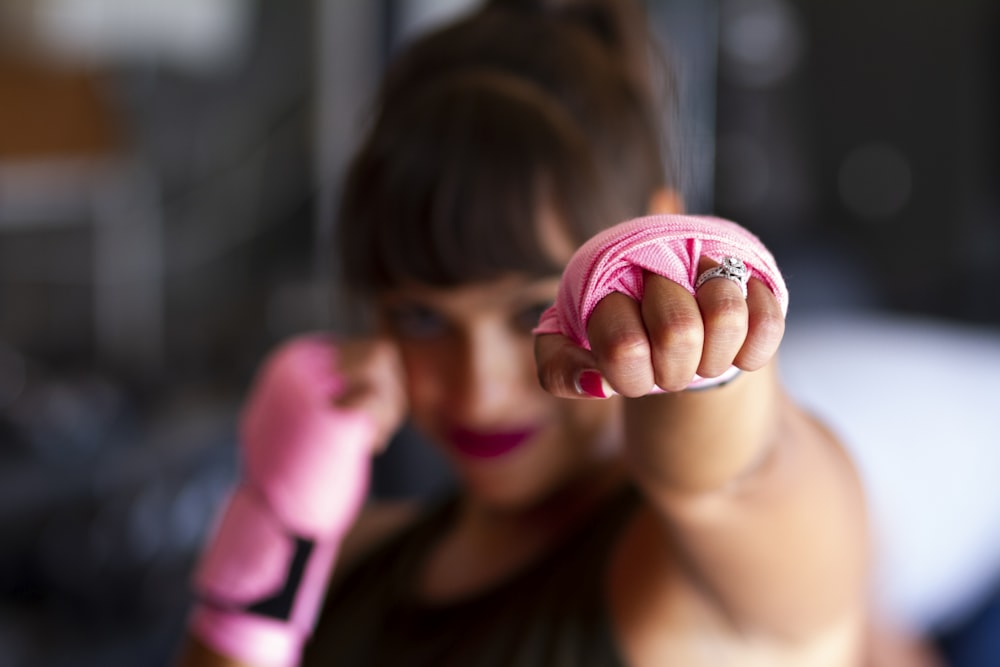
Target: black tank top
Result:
[550, 614]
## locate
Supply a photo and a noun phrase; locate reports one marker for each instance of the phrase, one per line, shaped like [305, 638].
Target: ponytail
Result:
[619, 25]
[622, 29]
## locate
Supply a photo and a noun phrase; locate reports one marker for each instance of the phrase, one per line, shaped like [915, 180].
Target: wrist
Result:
[259, 586]
[246, 637]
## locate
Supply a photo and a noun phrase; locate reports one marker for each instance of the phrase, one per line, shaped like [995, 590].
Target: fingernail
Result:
[591, 382]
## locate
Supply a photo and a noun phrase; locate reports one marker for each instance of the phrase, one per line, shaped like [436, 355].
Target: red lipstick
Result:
[483, 445]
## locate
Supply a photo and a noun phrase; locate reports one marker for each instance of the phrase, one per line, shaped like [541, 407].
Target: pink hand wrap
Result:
[668, 245]
[262, 578]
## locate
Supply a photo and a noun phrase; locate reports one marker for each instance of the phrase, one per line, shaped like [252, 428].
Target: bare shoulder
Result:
[377, 523]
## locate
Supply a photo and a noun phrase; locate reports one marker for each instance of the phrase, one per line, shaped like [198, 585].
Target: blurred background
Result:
[167, 175]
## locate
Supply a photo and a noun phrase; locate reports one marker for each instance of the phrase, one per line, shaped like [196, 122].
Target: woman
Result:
[612, 509]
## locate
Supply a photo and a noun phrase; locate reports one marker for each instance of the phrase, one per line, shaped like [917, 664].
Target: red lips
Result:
[483, 445]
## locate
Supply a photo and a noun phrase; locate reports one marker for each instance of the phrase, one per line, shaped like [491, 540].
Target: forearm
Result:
[764, 502]
[695, 442]
[305, 453]
[759, 504]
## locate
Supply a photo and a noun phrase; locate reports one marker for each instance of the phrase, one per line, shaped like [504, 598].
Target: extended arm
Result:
[762, 500]
[764, 506]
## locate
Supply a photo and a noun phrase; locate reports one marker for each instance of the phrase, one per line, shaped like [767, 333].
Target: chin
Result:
[518, 487]
[504, 493]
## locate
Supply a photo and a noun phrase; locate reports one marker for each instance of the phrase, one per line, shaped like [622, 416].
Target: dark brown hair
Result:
[481, 124]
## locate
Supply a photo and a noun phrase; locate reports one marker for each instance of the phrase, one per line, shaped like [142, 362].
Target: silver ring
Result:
[732, 269]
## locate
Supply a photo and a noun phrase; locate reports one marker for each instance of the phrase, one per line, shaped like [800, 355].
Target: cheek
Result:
[423, 377]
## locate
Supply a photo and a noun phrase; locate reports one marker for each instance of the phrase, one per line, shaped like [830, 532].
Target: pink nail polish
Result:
[591, 383]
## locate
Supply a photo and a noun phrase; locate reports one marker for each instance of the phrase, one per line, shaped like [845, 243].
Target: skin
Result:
[469, 364]
[752, 546]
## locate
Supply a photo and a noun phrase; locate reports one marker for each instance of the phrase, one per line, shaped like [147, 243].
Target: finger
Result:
[560, 363]
[372, 383]
[621, 346]
[725, 315]
[675, 331]
[766, 327]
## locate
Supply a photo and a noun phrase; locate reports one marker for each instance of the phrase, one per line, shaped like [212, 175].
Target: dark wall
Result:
[881, 148]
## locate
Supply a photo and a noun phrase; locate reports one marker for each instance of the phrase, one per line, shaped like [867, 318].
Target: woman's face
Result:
[473, 389]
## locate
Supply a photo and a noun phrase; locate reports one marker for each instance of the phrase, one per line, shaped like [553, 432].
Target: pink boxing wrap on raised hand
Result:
[668, 245]
[262, 578]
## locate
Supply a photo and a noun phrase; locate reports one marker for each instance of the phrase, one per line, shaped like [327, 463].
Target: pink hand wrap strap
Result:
[261, 587]
[262, 578]
[668, 245]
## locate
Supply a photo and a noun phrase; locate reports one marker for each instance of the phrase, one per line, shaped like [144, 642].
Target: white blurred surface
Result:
[917, 403]
[198, 35]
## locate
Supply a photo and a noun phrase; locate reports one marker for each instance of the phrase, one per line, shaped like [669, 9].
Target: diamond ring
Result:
[732, 269]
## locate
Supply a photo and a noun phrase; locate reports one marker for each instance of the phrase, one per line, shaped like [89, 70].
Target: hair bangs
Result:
[475, 161]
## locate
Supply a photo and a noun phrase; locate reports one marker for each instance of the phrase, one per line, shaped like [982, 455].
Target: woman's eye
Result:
[527, 318]
[416, 322]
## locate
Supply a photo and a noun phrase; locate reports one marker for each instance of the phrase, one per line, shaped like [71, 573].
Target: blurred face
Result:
[473, 389]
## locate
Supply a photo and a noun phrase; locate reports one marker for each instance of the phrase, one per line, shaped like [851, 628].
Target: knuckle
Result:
[626, 348]
[713, 370]
[679, 336]
[673, 381]
[770, 326]
[624, 359]
[728, 313]
[727, 325]
[762, 344]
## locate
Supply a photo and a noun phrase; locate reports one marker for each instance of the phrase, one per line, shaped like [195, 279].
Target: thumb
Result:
[567, 370]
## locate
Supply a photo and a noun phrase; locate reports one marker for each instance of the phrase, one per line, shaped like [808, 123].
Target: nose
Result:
[494, 374]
